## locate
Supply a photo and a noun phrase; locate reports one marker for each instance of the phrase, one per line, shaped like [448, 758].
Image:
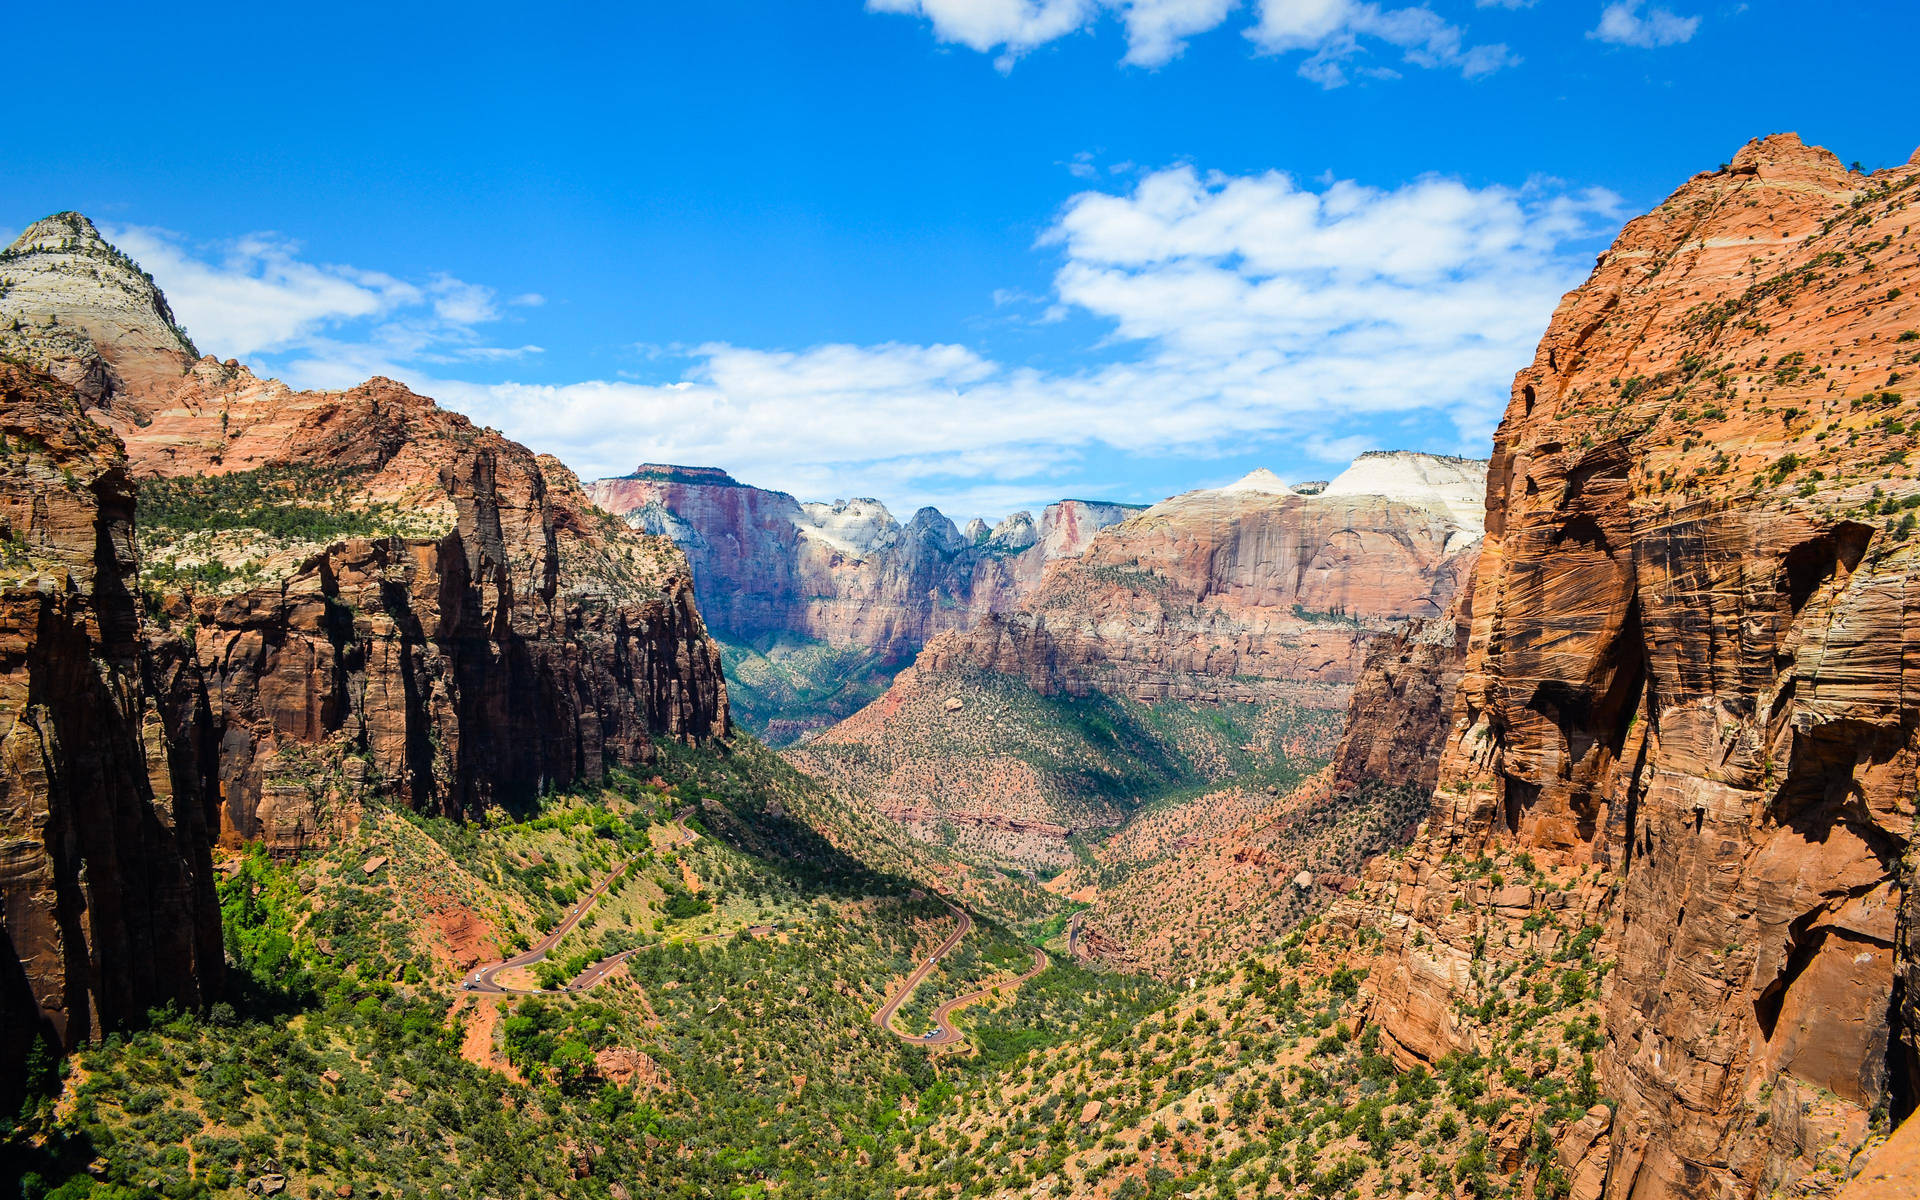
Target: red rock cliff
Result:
[1690, 698]
[382, 597]
[1240, 593]
[105, 805]
[845, 573]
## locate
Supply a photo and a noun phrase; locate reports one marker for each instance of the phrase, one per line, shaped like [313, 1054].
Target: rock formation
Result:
[846, 573]
[1402, 706]
[1215, 635]
[1687, 718]
[1240, 593]
[381, 597]
[106, 806]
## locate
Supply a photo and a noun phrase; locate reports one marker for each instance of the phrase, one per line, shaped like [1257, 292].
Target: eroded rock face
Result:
[106, 805]
[1241, 593]
[436, 615]
[1402, 705]
[845, 573]
[1689, 697]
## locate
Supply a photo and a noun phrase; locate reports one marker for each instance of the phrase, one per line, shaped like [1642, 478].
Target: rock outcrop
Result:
[1402, 705]
[381, 597]
[845, 573]
[1688, 720]
[106, 804]
[1241, 593]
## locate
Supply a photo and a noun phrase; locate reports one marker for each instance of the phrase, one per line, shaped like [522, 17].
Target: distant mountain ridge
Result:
[846, 573]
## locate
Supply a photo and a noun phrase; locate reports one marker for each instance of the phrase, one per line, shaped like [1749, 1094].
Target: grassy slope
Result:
[750, 1066]
[956, 745]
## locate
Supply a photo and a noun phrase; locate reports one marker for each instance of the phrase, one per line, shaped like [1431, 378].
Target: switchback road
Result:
[943, 1033]
[485, 979]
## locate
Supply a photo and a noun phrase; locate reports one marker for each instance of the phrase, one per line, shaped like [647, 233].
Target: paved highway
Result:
[485, 979]
[943, 1032]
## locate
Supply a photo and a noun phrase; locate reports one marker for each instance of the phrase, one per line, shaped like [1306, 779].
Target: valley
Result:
[387, 812]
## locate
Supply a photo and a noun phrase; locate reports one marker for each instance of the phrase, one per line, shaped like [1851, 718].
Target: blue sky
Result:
[980, 253]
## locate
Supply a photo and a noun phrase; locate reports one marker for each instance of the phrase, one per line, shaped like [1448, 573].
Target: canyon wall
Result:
[381, 597]
[1688, 719]
[1243, 593]
[845, 573]
[107, 905]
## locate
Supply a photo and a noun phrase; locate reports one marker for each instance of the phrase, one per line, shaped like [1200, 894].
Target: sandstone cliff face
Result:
[1242, 593]
[381, 597]
[845, 573]
[105, 805]
[1690, 697]
[1402, 705]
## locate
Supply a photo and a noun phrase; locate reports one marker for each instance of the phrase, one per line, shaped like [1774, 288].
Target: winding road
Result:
[943, 1032]
[485, 979]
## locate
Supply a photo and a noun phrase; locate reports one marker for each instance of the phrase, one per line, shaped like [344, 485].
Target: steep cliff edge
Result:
[382, 597]
[1687, 726]
[846, 573]
[105, 808]
[1197, 886]
[1243, 593]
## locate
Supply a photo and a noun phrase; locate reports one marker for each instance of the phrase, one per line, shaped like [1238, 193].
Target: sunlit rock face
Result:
[1689, 697]
[380, 597]
[1243, 592]
[845, 573]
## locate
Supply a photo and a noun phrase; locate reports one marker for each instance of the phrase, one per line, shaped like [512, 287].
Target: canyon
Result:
[1216, 634]
[271, 606]
[1540, 825]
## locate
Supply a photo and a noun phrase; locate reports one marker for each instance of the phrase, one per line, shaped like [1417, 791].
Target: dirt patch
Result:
[477, 1044]
[688, 878]
[466, 940]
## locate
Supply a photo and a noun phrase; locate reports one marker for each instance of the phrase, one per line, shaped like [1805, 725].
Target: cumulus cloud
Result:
[1331, 33]
[1334, 33]
[1244, 310]
[1622, 24]
[1242, 314]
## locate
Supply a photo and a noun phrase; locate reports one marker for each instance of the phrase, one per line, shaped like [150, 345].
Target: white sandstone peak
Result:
[858, 527]
[1457, 486]
[1260, 480]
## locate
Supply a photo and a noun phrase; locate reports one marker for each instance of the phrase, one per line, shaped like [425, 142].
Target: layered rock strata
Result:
[1688, 718]
[107, 905]
[1241, 593]
[845, 573]
[382, 597]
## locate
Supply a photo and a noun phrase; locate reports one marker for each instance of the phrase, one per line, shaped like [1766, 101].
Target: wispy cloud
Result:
[256, 295]
[1623, 24]
[1331, 33]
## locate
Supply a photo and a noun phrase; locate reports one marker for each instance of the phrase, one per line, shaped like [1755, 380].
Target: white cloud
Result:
[1334, 32]
[255, 295]
[1245, 314]
[1330, 32]
[1622, 25]
[1245, 311]
[1157, 29]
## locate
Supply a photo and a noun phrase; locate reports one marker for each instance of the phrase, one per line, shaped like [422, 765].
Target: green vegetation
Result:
[277, 501]
[781, 688]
